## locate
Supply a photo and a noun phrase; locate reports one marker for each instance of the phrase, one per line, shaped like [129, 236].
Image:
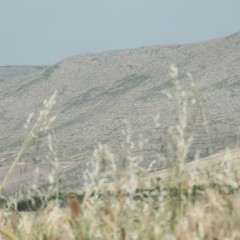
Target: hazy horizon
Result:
[40, 32]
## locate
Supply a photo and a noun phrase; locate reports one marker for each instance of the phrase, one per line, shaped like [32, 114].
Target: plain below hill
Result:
[98, 92]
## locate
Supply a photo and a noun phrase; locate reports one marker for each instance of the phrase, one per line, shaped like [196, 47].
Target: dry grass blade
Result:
[7, 233]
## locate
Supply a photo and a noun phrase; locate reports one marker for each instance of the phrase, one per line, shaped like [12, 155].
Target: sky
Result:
[43, 32]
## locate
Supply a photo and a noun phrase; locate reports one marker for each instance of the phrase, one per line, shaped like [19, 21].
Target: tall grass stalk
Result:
[42, 125]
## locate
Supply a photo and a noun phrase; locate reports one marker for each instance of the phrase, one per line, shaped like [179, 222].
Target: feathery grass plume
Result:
[41, 127]
[203, 116]
[102, 169]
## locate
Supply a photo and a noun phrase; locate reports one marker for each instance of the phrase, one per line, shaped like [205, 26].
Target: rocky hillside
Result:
[99, 92]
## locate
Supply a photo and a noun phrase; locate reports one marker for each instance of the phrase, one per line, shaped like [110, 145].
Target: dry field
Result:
[225, 160]
[178, 203]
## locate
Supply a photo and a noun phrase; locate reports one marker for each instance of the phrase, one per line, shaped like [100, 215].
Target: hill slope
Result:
[96, 92]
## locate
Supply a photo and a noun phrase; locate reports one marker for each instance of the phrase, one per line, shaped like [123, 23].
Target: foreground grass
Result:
[136, 208]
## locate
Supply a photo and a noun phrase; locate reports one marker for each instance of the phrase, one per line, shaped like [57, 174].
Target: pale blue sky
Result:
[40, 32]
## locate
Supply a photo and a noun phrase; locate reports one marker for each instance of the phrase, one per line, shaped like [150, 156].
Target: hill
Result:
[97, 92]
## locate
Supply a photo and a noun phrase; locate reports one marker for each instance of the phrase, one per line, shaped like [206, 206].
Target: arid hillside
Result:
[116, 97]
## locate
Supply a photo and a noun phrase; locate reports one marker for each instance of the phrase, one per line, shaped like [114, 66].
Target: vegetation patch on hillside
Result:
[125, 85]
